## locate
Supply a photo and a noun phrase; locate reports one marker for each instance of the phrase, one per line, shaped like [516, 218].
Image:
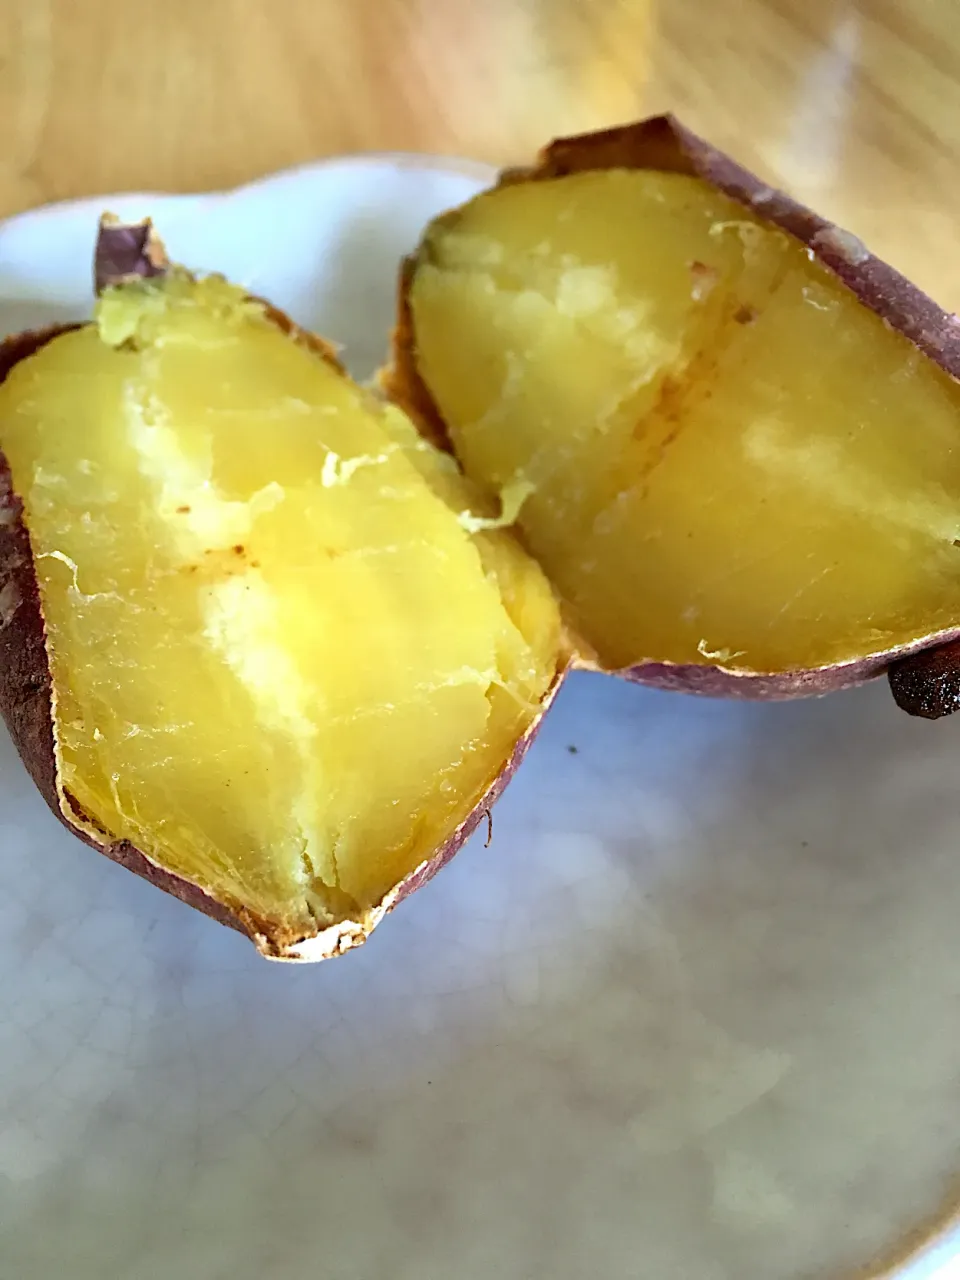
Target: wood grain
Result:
[854, 106]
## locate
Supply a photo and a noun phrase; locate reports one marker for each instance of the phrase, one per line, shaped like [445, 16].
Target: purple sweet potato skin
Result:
[127, 251]
[780, 686]
[24, 673]
[662, 143]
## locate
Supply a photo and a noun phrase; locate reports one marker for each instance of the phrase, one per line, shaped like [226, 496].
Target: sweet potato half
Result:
[737, 428]
[277, 644]
[261, 642]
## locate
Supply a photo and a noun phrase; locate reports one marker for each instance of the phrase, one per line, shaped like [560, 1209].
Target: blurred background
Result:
[854, 105]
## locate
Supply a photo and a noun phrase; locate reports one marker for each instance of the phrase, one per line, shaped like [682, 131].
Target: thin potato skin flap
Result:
[924, 672]
[127, 251]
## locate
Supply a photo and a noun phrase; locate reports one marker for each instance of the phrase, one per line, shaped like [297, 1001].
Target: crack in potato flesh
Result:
[282, 667]
[730, 459]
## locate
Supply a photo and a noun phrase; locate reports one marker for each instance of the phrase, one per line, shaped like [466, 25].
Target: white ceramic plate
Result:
[694, 1015]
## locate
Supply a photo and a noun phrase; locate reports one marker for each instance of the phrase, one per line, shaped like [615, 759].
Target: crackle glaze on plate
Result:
[694, 1015]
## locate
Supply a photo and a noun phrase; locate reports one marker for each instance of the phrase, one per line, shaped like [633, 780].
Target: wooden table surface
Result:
[854, 105]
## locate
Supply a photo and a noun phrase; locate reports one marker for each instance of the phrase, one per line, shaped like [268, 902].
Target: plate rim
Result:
[461, 166]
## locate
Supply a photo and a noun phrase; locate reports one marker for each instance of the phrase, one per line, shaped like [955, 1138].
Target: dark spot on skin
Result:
[239, 549]
[572, 750]
[745, 315]
[254, 564]
[183, 511]
[927, 684]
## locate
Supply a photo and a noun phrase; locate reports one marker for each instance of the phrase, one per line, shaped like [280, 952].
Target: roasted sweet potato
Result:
[277, 645]
[737, 427]
[261, 643]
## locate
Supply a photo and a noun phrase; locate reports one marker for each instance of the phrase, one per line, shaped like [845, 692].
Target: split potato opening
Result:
[731, 461]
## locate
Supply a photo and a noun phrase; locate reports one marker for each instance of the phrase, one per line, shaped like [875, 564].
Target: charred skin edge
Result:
[927, 684]
[662, 143]
[26, 708]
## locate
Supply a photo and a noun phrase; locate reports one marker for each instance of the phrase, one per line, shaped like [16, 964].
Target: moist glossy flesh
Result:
[732, 460]
[282, 665]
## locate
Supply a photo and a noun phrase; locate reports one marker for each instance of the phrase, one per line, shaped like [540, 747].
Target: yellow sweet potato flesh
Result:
[730, 459]
[283, 666]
